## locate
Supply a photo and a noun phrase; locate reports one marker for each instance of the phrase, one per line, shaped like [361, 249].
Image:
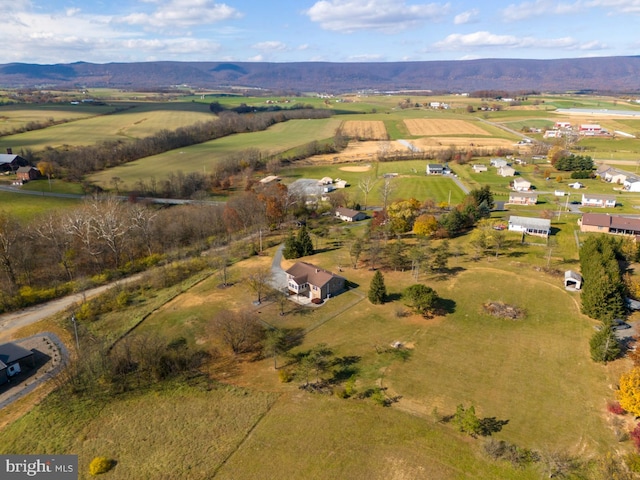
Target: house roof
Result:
[303, 272]
[521, 180]
[435, 166]
[7, 158]
[347, 212]
[625, 223]
[523, 194]
[25, 169]
[598, 197]
[11, 353]
[571, 275]
[530, 222]
[596, 219]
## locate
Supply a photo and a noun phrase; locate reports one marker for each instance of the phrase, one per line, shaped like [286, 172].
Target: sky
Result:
[104, 31]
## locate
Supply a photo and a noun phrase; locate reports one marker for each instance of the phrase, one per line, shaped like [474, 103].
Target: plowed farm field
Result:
[365, 130]
[437, 127]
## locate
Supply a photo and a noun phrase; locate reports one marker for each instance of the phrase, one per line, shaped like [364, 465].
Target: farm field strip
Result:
[138, 122]
[374, 130]
[438, 127]
[200, 158]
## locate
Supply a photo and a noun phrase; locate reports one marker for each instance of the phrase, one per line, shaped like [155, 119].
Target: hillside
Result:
[612, 74]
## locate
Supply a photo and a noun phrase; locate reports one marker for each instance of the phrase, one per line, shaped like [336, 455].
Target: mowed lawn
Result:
[411, 181]
[202, 157]
[534, 372]
[140, 121]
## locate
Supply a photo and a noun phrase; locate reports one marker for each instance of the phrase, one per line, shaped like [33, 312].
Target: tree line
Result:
[72, 163]
[105, 238]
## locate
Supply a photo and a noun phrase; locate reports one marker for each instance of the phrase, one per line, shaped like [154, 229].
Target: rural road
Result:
[10, 322]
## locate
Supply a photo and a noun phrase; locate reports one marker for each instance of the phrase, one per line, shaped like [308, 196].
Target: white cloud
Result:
[623, 6]
[470, 16]
[387, 16]
[486, 39]
[256, 58]
[366, 58]
[270, 46]
[72, 11]
[537, 8]
[182, 13]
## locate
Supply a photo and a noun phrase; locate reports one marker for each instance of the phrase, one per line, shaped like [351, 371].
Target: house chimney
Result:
[9, 151]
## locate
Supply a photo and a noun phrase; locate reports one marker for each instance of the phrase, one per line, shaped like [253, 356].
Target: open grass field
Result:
[410, 182]
[27, 207]
[278, 138]
[440, 127]
[140, 121]
[534, 373]
[188, 433]
[366, 130]
[17, 116]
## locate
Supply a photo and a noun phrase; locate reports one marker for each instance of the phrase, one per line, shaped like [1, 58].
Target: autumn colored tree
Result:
[628, 393]
[377, 289]
[402, 214]
[425, 225]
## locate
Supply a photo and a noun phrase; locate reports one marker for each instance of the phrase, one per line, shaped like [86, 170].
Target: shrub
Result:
[100, 465]
[616, 408]
[635, 436]
[285, 376]
[633, 462]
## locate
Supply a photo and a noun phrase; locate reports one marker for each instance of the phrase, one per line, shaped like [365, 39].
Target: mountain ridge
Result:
[611, 74]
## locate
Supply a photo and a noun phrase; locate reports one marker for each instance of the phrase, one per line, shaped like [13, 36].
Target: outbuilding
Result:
[572, 280]
[11, 357]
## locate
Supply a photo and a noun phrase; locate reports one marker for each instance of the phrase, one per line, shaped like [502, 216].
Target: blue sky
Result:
[102, 31]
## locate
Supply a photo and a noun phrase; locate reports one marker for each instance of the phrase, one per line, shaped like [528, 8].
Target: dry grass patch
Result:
[438, 127]
[432, 143]
[369, 130]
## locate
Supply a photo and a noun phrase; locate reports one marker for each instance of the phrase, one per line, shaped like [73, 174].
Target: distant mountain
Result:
[611, 74]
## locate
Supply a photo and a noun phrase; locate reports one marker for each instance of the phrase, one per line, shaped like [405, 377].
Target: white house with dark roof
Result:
[435, 169]
[350, 215]
[530, 226]
[313, 282]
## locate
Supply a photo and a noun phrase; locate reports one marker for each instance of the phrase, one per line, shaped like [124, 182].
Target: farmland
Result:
[370, 130]
[239, 417]
[444, 127]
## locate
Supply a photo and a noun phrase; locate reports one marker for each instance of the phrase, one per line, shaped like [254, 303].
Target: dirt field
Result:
[462, 142]
[433, 127]
[369, 130]
[363, 168]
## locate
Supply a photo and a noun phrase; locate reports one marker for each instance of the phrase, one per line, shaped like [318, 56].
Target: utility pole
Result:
[75, 330]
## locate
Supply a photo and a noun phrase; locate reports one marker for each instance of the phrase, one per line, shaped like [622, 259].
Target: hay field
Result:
[438, 127]
[461, 142]
[138, 122]
[370, 130]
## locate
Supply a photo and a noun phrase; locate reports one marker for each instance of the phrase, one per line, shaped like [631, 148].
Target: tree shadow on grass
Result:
[491, 425]
[446, 306]
[392, 297]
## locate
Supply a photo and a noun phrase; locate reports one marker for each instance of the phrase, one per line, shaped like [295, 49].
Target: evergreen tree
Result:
[604, 345]
[305, 245]
[377, 289]
[291, 248]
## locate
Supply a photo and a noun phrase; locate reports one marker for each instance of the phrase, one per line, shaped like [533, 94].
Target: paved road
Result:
[10, 322]
[170, 201]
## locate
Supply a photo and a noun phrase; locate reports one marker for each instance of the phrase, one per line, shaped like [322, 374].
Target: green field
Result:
[278, 138]
[27, 207]
[141, 120]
